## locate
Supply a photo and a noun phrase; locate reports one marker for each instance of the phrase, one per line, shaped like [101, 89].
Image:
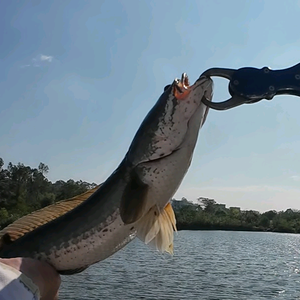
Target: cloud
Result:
[295, 177]
[39, 61]
[46, 58]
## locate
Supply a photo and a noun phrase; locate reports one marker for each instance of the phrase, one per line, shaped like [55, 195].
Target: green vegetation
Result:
[208, 214]
[24, 189]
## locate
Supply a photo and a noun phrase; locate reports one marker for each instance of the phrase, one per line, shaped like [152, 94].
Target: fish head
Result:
[186, 99]
[166, 125]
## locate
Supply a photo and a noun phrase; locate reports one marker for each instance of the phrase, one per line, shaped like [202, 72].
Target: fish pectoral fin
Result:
[157, 228]
[148, 226]
[134, 199]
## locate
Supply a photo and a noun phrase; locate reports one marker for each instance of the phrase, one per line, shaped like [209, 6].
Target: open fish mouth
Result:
[181, 87]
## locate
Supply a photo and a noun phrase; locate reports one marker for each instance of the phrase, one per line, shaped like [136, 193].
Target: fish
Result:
[134, 201]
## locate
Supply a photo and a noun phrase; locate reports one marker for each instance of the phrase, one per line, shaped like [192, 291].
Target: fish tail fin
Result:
[157, 228]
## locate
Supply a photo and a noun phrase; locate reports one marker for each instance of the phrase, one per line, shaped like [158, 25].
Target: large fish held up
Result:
[134, 201]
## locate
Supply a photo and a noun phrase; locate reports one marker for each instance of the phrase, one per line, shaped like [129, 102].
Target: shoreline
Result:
[181, 227]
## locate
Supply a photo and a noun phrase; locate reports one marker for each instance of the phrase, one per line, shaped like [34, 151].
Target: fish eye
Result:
[166, 87]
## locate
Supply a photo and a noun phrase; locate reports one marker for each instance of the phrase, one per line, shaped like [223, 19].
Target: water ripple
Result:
[207, 265]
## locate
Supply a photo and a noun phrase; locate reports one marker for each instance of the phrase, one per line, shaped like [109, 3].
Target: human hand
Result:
[43, 275]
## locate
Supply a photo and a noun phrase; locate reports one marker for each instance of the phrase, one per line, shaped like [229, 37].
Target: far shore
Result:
[182, 227]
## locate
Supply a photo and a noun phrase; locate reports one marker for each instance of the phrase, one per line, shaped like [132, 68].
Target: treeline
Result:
[24, 189]
[209, 215]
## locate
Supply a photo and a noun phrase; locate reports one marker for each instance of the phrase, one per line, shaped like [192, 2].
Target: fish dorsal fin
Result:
[40, 217]
[157, 228]
[134, 199]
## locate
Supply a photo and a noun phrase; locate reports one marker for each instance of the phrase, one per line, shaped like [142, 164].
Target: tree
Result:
[208, 204]
[4, 185]
[1, 164]
[24, 189]
[44, 169]
[251, 217]
[264, 221]
[270, 214]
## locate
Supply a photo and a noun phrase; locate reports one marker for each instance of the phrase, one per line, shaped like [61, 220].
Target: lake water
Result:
[207, 265]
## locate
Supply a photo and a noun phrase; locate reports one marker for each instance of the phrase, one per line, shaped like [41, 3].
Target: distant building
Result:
[178, 204]
[235, 209]
[220, 206]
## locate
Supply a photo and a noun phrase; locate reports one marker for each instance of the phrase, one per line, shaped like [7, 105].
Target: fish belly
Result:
[93, 246]
[165, 175]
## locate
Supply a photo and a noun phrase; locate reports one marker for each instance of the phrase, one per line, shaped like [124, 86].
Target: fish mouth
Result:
[181, 87]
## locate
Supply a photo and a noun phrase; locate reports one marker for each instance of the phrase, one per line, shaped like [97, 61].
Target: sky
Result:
[78, 77]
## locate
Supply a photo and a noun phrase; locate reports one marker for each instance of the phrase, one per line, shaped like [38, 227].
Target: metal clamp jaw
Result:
[250, 85]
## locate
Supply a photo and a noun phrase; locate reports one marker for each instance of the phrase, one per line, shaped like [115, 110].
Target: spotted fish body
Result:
[134, 200]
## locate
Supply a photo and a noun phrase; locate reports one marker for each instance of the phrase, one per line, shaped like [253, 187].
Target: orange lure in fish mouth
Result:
[181, 87]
